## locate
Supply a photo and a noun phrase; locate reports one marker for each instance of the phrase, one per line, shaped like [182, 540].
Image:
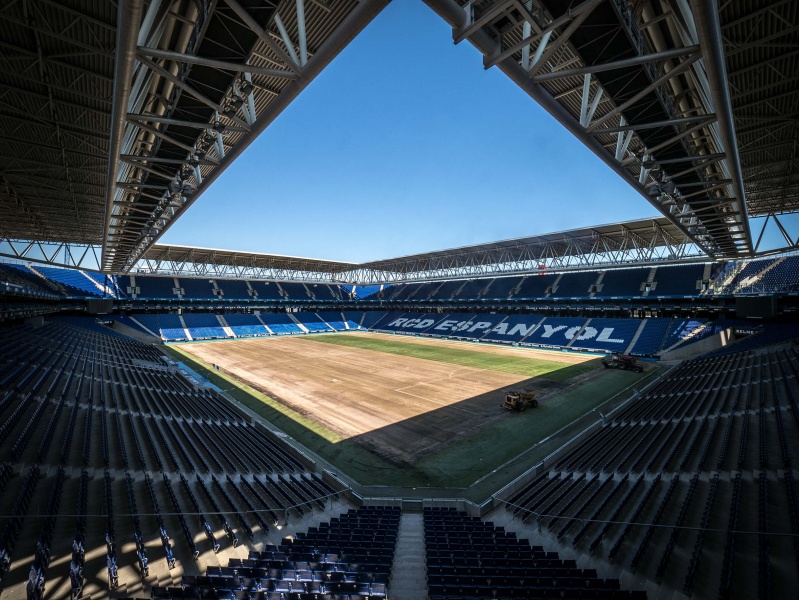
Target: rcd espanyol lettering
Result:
[556, 334]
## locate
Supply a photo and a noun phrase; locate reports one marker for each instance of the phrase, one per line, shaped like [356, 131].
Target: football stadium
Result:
[601, 412]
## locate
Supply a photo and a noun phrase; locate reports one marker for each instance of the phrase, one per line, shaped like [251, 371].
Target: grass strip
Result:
[527, 365]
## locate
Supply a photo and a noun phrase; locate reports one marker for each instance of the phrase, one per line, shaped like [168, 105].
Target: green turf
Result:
[526, 363]
[461, 463]
[467, 459]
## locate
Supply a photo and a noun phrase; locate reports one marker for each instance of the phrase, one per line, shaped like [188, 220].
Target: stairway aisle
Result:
[409, 572]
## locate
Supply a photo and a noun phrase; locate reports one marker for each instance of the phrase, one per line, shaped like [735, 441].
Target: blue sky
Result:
[405, 144]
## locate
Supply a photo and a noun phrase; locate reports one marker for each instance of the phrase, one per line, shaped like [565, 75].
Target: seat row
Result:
[335, 580]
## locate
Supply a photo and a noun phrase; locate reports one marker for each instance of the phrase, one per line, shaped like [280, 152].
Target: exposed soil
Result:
[398, 407]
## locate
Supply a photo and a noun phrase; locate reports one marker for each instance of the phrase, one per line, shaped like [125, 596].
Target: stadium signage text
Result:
[520, 330]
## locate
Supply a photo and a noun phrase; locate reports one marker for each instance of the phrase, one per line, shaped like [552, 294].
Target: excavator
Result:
[625, 362]
[519, 400]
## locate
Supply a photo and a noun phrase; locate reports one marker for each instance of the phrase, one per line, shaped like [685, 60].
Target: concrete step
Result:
[409, 571]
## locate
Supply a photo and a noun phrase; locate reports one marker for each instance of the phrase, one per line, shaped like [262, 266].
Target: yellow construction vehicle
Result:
[519, 400]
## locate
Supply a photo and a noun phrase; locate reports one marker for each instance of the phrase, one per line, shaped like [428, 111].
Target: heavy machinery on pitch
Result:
[519, 400]
[625, 362]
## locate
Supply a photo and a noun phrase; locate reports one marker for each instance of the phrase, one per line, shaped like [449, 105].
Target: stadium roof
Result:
[646, 241]
[115, 117]
[170, 253]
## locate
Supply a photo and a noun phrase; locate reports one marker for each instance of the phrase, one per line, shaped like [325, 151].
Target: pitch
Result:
[402, 398]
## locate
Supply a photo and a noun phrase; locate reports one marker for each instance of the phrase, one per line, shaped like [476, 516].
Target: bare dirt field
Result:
[399, 407]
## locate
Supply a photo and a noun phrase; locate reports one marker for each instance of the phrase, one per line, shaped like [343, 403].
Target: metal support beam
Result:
[129, 16]
[674, 161]
[128, 185]
[250, 22]
[133, 159]
[301, 34]
[452, 12]
[784, 232]
[678, 137]
[187, 88]
[579, 15]
[216, 64]
[706, 18]
[655, 124]
[707, 163]
[353, 23]
[286, 39]
[708, 190]
[681, 68]
[71, 255]
[163, 136]
[488, 15]
[619, 64]
[179, 122]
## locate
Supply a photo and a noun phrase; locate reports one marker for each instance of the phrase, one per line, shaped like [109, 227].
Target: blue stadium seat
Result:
[445, 291]
[651, 339]
[749, 271]
[167, 325]
[26, 281]
[204, 326]
[280, 323]
[452, 325]
[106, 282]
[372, 318]
[156, 287]
[234, 289]
[294, 291]
[313, 322]
[336, 320]
[622, 283]
[245, 325]
[413, 323]
[575, 285]
[473, 290]
[680, 329]
[481, 325]
[75, 282]
[197, 288]
[409, 291]
[556, 331]
[607, 334]
[353, 318]
[778, 275]
[501, 288]
[266, 290]
[677, 281]
[513, 328]
[368, 291]
[534, 286]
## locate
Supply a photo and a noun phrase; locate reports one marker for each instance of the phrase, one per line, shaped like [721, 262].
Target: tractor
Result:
[519, 400]
[625, 362]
